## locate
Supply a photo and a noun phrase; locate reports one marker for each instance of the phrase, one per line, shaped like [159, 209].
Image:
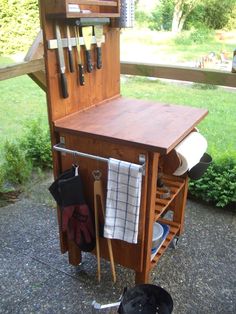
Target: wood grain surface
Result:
[154, 126]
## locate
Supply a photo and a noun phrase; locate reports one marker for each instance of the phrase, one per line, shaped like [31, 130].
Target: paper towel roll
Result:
[190, 151]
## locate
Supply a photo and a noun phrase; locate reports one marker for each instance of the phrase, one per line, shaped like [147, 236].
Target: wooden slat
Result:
[40, 79]
[22, 68]
[174, 228]
[175, 185]
[180, 73]
[169, 72]
[81, 15]
[98, 2]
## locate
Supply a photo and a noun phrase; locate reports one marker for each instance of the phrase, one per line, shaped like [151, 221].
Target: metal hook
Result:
[97, 174]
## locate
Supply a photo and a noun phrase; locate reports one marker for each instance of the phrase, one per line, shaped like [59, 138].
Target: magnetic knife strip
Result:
[52, 43]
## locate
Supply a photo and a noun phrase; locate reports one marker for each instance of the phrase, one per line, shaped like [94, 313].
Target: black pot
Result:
[198, 170]
[146, 299]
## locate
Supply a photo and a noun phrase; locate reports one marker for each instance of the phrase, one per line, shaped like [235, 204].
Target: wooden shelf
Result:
[98, 2]
[174, 228]
[175, 184]
[63, 9]
[73, 15]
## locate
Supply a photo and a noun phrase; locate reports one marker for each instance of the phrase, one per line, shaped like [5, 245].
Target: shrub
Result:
[17, 168]
[194, 36]
[200, 35]
[218, 185]
[141, 18]
[161, 17]
[19, 20]
[213, 14]
[36, 143]
[1, 177]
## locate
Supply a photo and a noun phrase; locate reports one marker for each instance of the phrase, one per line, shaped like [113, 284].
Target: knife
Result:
[61, 63]
[80, 65]
[70, 56]
[86, 33]
[98, 33]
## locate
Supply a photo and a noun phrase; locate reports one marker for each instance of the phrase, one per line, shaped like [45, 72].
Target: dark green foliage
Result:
[1, 177]
[141, 18]
[218, 185]
[161, 17]
[214, 14]
[19, 25]
[33, 150]
[195, 36]
[17, 168]
[36, 143]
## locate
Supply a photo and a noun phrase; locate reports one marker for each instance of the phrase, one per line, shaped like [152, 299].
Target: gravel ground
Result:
[199, 274]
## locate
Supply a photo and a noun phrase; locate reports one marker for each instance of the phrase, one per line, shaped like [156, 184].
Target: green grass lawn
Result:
[163, 47]
[21, 101]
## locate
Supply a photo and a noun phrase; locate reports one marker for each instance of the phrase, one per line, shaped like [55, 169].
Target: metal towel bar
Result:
[61, 148]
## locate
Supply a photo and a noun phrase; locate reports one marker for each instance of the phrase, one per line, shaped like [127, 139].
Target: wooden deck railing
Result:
[35, 69]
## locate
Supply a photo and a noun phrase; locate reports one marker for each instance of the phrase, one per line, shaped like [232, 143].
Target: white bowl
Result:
[157, 235]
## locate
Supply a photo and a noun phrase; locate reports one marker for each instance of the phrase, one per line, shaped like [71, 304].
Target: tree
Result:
[182, 8]
[19, 24]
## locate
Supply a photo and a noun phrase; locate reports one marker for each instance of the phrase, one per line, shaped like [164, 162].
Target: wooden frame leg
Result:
[180, 203]
[142, 277]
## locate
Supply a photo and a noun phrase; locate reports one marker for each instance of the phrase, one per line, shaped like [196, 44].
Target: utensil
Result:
[61, 59]
[98, 192]
[87, 33]
[70, 56]
[98, 33]
[80, 65]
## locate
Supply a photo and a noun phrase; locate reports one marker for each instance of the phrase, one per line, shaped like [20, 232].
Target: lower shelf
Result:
[174, 228]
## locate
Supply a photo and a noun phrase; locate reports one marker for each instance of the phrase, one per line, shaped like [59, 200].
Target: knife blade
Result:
[86, 33]
[80, 65]
[98, 33]
[61, 60]
[70, 56]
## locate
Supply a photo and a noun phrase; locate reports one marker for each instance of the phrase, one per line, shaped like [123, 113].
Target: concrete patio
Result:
[200, 274]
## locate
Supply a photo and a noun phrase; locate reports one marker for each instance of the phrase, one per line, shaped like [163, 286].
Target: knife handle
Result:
[71, 63]
[64, 86]
[81, 75]
[89, 61]
[99, 57]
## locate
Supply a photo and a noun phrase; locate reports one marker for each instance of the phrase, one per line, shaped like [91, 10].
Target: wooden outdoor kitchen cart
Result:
[88, 115]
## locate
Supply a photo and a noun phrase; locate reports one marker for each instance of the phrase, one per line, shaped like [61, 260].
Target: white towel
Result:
[123, 201]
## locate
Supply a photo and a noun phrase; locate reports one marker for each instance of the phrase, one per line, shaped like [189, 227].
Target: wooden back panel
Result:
[100, 85]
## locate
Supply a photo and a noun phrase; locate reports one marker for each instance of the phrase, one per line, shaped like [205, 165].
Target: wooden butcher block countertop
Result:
[151, 125]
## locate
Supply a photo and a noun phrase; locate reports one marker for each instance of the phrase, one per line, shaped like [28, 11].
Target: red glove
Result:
[78, 223]
[66, 214]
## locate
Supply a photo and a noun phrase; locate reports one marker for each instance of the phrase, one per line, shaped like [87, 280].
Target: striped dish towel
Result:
[123, 201]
